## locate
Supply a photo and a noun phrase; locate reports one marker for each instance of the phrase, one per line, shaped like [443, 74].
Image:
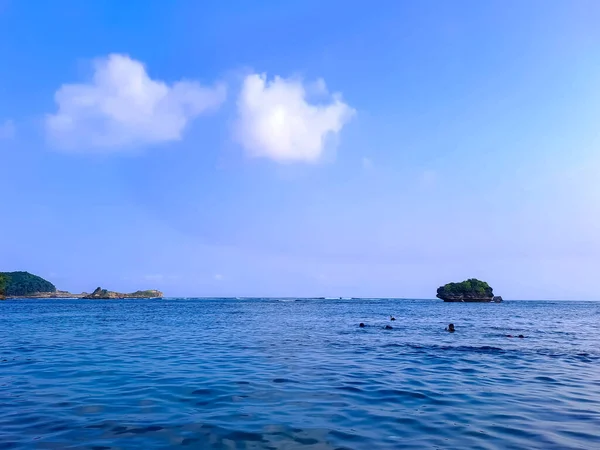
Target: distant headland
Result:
[471, 290]
[27, 285]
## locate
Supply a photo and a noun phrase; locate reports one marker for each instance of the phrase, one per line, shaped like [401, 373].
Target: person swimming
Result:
[450, 328]
[388, 327]
[392, 318]
[361, 325]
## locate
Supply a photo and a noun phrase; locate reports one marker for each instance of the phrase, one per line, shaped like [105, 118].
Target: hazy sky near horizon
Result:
[310, 148]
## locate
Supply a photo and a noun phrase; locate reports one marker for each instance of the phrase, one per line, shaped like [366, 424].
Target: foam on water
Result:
[279, 374]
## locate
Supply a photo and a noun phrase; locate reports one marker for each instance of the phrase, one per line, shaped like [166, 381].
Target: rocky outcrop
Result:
[469, 291]
[99, 293]
[497, 299]
[103, 294]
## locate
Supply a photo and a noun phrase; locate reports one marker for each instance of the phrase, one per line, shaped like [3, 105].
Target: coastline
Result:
[96, 295]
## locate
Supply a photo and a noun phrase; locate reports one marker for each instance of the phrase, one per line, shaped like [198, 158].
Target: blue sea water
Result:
[282, 374]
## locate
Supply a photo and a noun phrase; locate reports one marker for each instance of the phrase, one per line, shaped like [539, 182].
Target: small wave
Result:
[203, 392]
[283, 380]
[458, 348]
[545, 379]
[349, 389]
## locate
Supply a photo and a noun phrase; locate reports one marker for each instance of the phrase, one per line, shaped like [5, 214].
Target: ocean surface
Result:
[285, 374]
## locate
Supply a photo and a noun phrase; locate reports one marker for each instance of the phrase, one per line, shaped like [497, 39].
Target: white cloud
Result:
[8, 129]
[276, 121]
[122, 107]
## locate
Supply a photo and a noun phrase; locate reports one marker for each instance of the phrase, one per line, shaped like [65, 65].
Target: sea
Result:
[298, 374]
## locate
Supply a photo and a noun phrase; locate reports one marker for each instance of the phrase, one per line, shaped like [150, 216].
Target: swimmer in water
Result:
[450, 328]
[361, 325]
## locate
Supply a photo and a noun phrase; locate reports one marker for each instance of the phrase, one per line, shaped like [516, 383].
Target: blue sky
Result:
[304, 148]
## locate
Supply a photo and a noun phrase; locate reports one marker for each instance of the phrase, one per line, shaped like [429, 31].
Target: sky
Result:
[302, 148]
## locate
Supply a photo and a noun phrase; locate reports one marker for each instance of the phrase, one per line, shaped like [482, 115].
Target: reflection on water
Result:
[260, 374]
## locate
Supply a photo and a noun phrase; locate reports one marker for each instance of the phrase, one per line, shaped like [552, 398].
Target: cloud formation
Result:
[122, 107]
[276, 121]
[7, 129]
